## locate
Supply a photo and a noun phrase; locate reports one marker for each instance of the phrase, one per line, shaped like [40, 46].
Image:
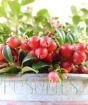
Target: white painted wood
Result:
[35, 87]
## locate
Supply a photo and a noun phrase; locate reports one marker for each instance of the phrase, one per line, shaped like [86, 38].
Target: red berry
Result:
[53, 46]
[41, 53]
[15, 54]
[66, 50]
[31, 52]
[66, 64]
[78, 57]
[49, 57]
[1, 55]
[53, 77]
[45, 42]
[82, 69]
[33, 42]
[80, 47]
[12, 42]
[24, 45]
[86, 55]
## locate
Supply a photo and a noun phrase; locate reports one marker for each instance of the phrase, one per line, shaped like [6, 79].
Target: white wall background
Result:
[60, 8]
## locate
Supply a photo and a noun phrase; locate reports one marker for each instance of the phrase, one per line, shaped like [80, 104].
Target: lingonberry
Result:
[53, 77]
[41, 53]
[24, 45]
[45, 42]
[78, 57]
[66, 50]
[12, 42]
[33, 42]
[53, 46]
[80, 47]
[66, 64]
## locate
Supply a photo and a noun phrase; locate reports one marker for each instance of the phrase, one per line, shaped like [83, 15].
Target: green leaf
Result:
[74, 10]
[76, 19]
[28, 58]
[7, 54]
[21, 56]
[73, 34]
[86, 21]
[70, 38]
[61, 78]
[10, 70]
[61, 35]
[27, 68]
[39, 65]
[44, 13]
[84, 10]
[87, 30]
[14, 6]
[86, 63]
[24, 2]
[3, 8]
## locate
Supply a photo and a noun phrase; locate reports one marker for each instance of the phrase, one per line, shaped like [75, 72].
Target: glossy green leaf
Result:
[73, 34]
[70, 38]
[10, 70]
[7, 54]
[27, 68]
[21, 56]
[28, 58]
[61, 35]
[39, 65]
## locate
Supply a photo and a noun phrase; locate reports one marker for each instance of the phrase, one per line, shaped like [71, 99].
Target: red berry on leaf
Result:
[41, 53]
[24, 45]
[45, 42]
[78, 57]
[53, 77]
[80, 47]
[33, 42]
[66, 50]
[12, 42]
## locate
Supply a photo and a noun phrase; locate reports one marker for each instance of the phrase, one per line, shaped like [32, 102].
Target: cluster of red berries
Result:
[72, 57]
[42, 47]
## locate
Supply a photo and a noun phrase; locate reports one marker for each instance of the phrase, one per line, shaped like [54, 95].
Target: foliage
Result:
[79, 23]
